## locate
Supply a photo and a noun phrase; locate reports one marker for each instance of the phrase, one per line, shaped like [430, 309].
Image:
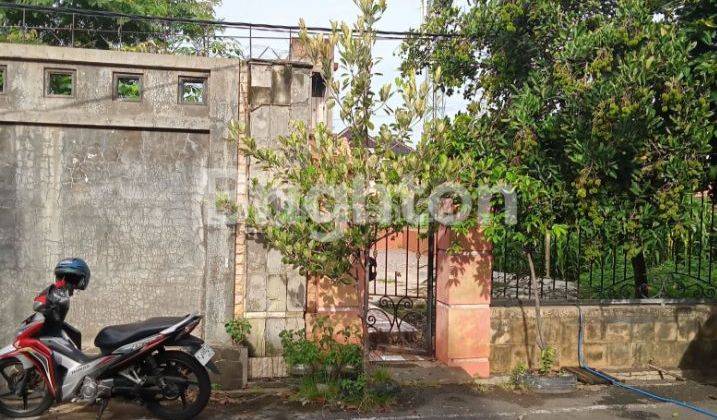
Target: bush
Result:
[519, 370]
[238, 329]
[548, 357]
[332, 383]
[298, 350]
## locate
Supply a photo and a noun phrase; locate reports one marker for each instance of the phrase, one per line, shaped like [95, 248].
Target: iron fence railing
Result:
[401, 299]
[583, 266]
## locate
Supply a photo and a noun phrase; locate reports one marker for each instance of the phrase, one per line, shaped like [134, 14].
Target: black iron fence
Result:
[401, 295]
[585, 266]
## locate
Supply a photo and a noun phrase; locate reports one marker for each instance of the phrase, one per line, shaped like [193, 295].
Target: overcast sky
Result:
[400, 15]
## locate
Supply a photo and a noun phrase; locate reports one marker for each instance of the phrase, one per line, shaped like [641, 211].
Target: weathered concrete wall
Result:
[670, 335]
[275, 295]
[127, 186]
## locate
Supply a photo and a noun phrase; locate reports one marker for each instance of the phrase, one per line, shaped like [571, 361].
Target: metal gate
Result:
[401, 300]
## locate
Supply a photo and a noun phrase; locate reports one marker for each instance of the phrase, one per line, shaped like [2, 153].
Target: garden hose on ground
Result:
[616, 382]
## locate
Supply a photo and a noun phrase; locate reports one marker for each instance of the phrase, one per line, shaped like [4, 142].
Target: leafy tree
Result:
[345, 195]
[108, 32]
[60, 84]
[595, 107]
[318, 157]
[128, 88]
[700, 19]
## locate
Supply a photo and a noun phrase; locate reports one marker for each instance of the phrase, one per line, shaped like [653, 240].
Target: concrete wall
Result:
[671, 335]
[127, 186]
[275, 294]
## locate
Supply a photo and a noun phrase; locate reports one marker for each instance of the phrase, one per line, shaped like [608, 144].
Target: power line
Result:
[205, 22]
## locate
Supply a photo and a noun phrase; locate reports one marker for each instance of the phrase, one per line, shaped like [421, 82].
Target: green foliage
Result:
[60, 84]
[311, 391]
[325, 354]
[193, 93]
[599, 114]
[128, 88]
[516, 373]
[363, 392]
[298, 349]
[353, 389]
[336, 356]
[225, 204]
[132, 35]
[238, 329]
[307, 158]
[329, 382]
[380, 374]
[548, 358]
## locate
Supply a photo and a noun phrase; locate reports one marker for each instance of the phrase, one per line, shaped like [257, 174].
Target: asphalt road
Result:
[446, 402]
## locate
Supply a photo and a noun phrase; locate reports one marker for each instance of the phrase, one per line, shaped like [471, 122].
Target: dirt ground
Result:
[444, 402]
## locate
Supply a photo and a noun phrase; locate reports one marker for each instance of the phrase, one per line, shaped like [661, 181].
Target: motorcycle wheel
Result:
[23, 393]
[187, 387]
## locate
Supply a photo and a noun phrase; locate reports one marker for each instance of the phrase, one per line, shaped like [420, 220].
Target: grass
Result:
[363, 393]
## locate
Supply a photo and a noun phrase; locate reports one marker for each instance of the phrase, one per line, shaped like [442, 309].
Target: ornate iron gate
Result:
[401, 300]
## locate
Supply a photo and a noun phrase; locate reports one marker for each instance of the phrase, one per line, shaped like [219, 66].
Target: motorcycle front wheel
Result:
[23, 392]
[185, 387]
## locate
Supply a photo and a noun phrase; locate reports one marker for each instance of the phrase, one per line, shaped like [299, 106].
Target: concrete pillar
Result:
[463, 283]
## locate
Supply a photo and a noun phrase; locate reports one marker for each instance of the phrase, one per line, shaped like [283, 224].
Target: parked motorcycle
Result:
[156, 363]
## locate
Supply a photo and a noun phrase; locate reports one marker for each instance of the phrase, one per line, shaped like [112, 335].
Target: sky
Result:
[401, 15]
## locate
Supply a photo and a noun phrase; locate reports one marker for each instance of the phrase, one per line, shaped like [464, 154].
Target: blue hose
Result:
[616, 382]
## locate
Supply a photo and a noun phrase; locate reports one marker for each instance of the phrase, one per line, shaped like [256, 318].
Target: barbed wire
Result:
[383, 34]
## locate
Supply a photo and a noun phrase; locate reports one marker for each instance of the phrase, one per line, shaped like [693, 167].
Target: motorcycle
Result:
[157, 363]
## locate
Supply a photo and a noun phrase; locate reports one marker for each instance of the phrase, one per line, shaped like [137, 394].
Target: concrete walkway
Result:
[449, 402]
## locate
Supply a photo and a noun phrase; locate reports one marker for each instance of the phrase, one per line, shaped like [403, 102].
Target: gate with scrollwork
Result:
[401, 300]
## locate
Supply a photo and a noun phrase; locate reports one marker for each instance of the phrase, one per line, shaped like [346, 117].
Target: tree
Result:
[700, 19]
[104, 31]
[325, 200]
[595, 105]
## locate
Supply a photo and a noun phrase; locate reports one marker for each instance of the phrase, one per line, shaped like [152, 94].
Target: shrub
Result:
[519, 370]
[353, 389]
[238, 329]
[548, 357]
[298, 350]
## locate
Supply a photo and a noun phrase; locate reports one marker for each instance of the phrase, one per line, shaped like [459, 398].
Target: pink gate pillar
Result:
[463, 283]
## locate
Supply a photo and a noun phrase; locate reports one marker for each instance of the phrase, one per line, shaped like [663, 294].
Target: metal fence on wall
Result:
[582, 266]
[400, 317]
[70, 27]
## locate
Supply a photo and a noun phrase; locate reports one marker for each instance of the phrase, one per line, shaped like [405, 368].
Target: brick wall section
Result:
[242, 199]
[273, 295]
[627, 337]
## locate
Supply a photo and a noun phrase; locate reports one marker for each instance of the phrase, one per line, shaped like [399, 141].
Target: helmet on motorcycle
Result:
[74, 271]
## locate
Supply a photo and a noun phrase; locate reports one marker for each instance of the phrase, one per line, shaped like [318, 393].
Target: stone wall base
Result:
[267, 367]
[616, 337]
[233, 366]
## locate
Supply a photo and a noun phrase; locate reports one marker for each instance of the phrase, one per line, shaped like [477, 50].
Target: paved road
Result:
[450, 402]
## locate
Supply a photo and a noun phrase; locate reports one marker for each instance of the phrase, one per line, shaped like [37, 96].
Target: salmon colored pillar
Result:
[463, 284]
[340, 302]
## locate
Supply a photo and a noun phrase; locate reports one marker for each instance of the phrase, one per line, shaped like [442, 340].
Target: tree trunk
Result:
[639, 269]
[364, 310]
[547, 255]
[535, 292]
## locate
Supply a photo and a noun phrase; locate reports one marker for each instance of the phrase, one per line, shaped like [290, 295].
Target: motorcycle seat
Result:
[115, 336]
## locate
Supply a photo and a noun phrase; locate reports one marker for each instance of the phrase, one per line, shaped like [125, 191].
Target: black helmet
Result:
[75, 271]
